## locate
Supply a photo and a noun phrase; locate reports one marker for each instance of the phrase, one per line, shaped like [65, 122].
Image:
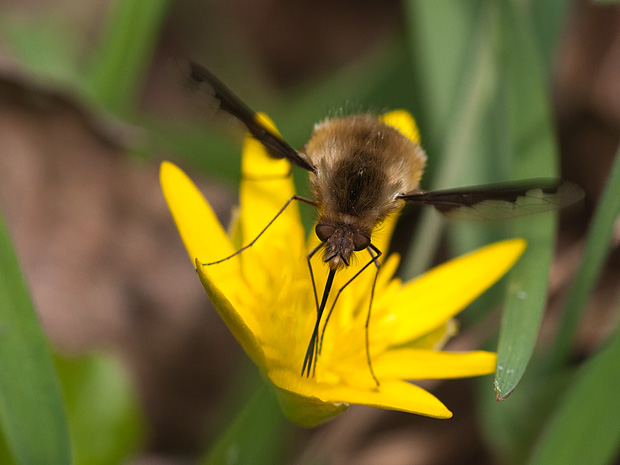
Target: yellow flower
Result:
[265, 297]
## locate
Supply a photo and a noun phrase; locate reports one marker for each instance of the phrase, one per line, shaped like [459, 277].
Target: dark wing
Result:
[500, 201]
[201, 80]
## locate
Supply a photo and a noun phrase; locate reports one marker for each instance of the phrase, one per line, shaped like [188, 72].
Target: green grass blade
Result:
[255, 436]
[442, 35]
[511, 428]
[464, 122]
[102, 409]
[585, 428]
[46, 45]
[524, 304]
[32, 415]
[549, 20]
[598, 244]
[125, 48]
[534, 149]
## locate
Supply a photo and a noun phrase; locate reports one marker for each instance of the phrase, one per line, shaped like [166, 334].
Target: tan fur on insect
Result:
[363, 164]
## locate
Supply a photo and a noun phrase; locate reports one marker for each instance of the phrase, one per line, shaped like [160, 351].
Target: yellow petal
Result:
[404, 122]
[391, 395]
[438, 338]
[429, 364]
[434, 340]
[430, 300]
[266, 187]
[201, 232]
[258, 164]
[240, 326]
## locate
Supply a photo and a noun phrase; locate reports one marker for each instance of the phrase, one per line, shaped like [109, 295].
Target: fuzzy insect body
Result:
[362, 166]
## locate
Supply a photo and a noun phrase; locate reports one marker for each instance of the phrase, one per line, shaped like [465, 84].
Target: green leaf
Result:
[531, 134]
[256, 435]
[32, 415]
[48, 44]
[443, 36]
[512, 427]
[585, 427]
[465, 116]
[123, 53]
[598, 244]
[104, 418]
[549, 20]
[525, 303]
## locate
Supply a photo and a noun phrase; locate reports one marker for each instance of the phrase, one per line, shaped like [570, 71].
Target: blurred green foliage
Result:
[32, 415]
[105, 422]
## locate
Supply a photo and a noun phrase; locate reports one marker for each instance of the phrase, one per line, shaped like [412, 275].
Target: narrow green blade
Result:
[442, 35]
[32, 416]
[462, 113]
[524, 304]
[124, 50]
[534, 149]
[102, 409]
[597, 246]
[255, 436]
[585, 428]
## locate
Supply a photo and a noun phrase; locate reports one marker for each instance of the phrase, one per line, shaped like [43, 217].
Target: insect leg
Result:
[288, 202]
[375, 254]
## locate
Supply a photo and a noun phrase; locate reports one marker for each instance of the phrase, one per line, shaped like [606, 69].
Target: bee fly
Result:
[362, 170]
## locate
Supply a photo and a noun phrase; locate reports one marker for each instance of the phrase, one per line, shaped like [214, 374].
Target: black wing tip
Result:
[199, 77]
[196, 72]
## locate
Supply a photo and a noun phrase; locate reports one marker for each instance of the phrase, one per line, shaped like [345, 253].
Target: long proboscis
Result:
[309, 365]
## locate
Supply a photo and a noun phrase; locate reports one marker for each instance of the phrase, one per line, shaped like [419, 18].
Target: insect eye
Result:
[360, 242]
[324, 231]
